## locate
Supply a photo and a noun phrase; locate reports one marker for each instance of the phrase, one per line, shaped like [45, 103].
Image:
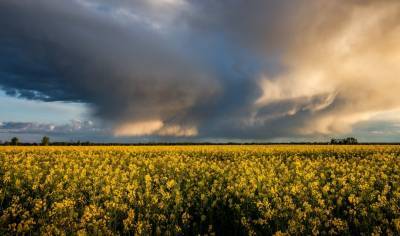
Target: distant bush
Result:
[45, 141]
[14, 141]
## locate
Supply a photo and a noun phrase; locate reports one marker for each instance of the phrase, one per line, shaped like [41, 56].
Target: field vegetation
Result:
[186, 190]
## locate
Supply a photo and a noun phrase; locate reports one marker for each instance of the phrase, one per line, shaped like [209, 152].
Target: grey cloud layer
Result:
[230, 69]
[75, 126]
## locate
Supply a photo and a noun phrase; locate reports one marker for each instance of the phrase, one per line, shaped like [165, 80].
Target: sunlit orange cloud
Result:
[350, 56]
[138, 128]
[154, 127]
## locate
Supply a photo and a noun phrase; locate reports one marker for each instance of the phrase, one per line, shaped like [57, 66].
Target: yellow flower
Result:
[170, 184]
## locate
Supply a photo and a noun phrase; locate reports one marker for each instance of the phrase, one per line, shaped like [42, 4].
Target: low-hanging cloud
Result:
[230, 69]
[74, 126]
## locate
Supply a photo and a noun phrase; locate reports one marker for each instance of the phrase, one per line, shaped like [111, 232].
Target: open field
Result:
[223, 190]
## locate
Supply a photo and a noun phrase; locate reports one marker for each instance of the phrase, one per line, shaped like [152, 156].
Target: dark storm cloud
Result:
[126, 63]
[69, 52]
[231, 69]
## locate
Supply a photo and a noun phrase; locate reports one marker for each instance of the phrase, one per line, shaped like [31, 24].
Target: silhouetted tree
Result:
[14, 141]
[45, 141]
[351, 140]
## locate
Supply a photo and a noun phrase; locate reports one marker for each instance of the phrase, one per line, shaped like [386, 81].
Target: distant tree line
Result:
[46, 142]
[15, 142]
[348, 140]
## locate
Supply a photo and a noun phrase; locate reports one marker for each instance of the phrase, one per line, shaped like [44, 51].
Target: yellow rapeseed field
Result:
[186, 190]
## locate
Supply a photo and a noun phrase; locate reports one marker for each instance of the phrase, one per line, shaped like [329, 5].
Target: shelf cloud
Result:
[211, 69]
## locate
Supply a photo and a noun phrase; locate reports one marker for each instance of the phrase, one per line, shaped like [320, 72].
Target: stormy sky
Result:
[200, 70]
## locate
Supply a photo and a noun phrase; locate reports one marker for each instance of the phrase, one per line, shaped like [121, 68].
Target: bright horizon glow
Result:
[23, 110]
